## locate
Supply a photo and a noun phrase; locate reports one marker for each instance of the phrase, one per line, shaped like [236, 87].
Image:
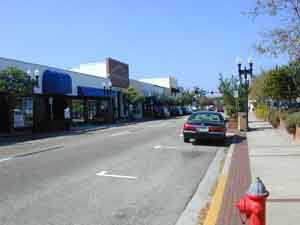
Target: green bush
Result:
[274, 118]
[292, 120]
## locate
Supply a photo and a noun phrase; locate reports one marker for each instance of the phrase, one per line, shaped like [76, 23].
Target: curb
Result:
[217, 199]
[191, 213]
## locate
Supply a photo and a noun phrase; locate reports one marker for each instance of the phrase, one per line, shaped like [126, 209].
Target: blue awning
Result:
[56, 83]
[95, 92]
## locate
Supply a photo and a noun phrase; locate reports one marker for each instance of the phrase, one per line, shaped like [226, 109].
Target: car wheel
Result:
[186, 140]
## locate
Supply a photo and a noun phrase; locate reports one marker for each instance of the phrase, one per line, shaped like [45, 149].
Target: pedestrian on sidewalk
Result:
[67, 116]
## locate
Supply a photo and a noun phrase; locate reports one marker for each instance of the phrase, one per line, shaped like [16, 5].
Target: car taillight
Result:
[216, 129]
[187, 126]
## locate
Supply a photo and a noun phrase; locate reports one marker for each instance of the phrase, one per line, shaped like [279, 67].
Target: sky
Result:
[193, 40]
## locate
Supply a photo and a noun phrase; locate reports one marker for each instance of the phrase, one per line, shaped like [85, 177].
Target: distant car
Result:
[188, 110]
[184, 110]
[174, 111]
[162, 112]
[205, 125]
[211, 108]
[179, 110]
[194, 108]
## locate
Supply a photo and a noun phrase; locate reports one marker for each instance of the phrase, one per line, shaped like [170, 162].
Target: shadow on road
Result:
[229, 140]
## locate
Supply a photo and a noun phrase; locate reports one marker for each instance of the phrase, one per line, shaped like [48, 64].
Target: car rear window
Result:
[207, 117]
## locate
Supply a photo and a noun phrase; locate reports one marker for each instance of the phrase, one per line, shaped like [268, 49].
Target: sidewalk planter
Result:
[282, 124]
[297, 134]
[232, 124]
[242, 121]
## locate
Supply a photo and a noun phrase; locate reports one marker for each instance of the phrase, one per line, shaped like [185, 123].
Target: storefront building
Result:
[118, 73]
[152, 93]
[170, 84]
[88, 97]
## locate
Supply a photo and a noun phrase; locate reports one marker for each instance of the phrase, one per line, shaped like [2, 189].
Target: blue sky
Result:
[193, 40]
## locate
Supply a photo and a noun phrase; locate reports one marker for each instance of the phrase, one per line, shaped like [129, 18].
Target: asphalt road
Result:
[140, 174]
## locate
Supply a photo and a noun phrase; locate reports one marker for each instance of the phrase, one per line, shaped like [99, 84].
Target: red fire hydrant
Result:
[253, 205]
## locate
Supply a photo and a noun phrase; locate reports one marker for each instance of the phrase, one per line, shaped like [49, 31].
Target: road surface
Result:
[141, 174]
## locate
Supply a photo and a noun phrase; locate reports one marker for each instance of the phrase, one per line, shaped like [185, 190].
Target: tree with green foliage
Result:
[205, 101]
[284, 38]
[15, 82]
[133, 96]
[279, 84]
[294, 71]
[227, 87]
[184, 98]
[257, 88]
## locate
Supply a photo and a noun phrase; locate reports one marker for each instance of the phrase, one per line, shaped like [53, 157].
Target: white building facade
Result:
[89, 97]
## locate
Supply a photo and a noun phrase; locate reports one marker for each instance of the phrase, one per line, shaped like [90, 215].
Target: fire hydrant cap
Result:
[257, 188]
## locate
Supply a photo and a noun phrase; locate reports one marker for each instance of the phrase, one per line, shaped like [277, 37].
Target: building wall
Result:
[98, 69]
[163, 82]
[166, 82]
[78, 79]
[147, 89]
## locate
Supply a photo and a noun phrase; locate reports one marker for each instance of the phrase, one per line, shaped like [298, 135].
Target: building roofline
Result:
[52, 67]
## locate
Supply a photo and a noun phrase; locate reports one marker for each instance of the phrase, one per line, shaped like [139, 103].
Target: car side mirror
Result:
[226, 120]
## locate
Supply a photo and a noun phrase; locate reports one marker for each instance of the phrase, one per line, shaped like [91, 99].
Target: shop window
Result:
[23, 112]
[103, 106]
[97, 110]
[77, 110]
[92, 109]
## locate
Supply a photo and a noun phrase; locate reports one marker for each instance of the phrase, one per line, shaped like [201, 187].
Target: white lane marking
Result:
[104, 174]
[121, 133]
[165, 147]
[6, 159]
[157, 126]
[157, 147]
[30, 153]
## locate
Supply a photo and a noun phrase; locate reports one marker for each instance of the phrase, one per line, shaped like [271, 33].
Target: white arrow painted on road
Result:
[165, 147]
[104, 174]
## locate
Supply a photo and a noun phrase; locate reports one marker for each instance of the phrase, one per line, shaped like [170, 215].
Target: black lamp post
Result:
[244, 80]
[104, 89]
[110, 98]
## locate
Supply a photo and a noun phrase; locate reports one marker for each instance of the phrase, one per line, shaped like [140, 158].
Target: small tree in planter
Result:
[227, 88]
[291, 122]
[274, 118]
[133, 97]
[14, 83]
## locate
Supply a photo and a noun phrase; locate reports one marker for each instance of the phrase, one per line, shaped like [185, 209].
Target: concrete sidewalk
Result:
[276, 160]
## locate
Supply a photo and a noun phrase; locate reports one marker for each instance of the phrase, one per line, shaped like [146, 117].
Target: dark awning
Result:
[56, 83]
[95, 92]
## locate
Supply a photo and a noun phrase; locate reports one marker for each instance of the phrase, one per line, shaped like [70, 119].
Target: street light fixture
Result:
[110, 97]
[104, 88]
[36, 77]
[243, 73]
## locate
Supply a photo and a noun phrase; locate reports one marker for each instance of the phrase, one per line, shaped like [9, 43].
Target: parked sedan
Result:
[204, 126]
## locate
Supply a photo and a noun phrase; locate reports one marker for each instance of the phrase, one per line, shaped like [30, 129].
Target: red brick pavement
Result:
[238, 182]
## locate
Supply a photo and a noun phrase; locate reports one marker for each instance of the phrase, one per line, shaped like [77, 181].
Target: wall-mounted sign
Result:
[118, 73]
